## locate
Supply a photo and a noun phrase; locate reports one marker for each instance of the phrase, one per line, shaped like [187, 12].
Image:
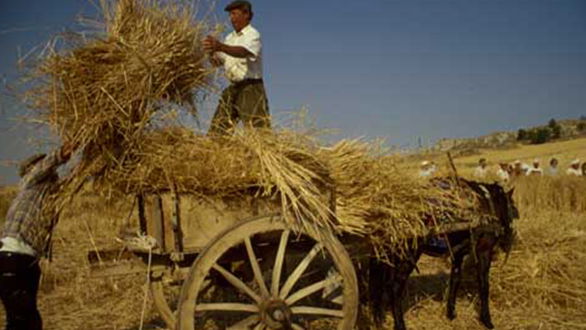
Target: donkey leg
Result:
[454, 284]
[399, 276]
[483, 269]
[377, 281]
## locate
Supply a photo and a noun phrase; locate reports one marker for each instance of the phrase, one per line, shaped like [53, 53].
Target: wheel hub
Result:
[276, 314]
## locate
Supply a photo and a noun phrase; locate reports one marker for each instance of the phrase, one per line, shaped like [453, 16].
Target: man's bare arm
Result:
[236, 51]
[212, 44]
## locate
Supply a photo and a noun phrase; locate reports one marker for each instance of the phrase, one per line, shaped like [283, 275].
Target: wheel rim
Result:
[165, 297]
[285, 280]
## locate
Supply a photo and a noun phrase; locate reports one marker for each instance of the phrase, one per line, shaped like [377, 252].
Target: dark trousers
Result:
[244, 101]
[19, 283]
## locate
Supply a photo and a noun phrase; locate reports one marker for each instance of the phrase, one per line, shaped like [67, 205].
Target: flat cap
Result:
[239, 4]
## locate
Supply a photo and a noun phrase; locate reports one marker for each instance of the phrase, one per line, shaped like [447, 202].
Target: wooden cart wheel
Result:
[164, 301]
[282, 280]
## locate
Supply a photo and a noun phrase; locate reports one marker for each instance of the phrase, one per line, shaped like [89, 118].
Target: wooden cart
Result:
[217, 268]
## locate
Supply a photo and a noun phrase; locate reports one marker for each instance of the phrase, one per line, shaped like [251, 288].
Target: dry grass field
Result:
[564, 151]
[541, 286]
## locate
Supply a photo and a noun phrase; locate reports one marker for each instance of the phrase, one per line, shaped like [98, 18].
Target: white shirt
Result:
[553, 171]
[573, 171]
[238, 69]
[480, 172]
[534, 171]
[502, 175]
[426, 173]
[11, 244]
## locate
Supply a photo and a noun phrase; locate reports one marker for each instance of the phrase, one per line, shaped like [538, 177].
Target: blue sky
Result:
[397, 69]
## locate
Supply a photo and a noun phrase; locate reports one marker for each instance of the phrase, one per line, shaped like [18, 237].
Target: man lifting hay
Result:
[26, 237]
[241, 55]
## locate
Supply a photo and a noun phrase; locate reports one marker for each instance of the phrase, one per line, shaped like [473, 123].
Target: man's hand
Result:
[211, 44]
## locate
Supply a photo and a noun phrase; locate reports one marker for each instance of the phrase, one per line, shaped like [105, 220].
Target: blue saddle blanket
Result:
[437, 245]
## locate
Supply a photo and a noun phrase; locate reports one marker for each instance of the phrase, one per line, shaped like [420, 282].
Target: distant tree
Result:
[521, 134]
[556, 129]
[581, 126]
[583, 118]
[556, 132]
[541, 135]
[552, 123]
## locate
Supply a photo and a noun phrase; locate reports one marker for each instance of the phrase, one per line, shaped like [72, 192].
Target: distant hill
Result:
[567, 129]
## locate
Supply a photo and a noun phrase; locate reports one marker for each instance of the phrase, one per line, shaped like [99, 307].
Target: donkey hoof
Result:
[451, 314]
[487, 323]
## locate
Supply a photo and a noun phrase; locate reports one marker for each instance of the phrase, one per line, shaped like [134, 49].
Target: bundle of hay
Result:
[283, 167]
[101, 91]
[373, 196]
[391, 203]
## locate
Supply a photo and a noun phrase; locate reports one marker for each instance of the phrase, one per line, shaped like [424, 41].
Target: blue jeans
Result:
[19, 283]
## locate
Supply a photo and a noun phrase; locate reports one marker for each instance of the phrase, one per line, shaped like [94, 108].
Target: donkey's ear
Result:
[510, 192]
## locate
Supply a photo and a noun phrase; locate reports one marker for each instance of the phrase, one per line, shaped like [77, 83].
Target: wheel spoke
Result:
[335, 283]
[245, 324]
[279, 263]
[308, 290]
[237, 283]
[226, 307]
[317, 311]
[294, 277]
[296, 326]
[259, 326]
[338, 300]
[255, 267]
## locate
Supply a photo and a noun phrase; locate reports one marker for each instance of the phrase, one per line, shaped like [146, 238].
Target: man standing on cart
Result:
[241, 55]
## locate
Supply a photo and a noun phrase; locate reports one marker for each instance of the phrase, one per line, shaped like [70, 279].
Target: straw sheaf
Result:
[101, 91]
[389, 204]
[282, 167]
[373, 196]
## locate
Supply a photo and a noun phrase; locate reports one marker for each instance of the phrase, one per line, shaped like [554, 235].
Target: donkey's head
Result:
[506, 211]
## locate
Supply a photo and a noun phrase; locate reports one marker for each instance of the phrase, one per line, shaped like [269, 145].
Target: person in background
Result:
[517, 168]
[426, 169]
[433, 168]
[481, 170]
[503, 172]
[26, 237]
[525, 168]
[574, 168]
[241, 55]
[535, 169]
[553, 167]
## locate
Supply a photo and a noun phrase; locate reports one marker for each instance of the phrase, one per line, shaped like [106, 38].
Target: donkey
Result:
[391, 278]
